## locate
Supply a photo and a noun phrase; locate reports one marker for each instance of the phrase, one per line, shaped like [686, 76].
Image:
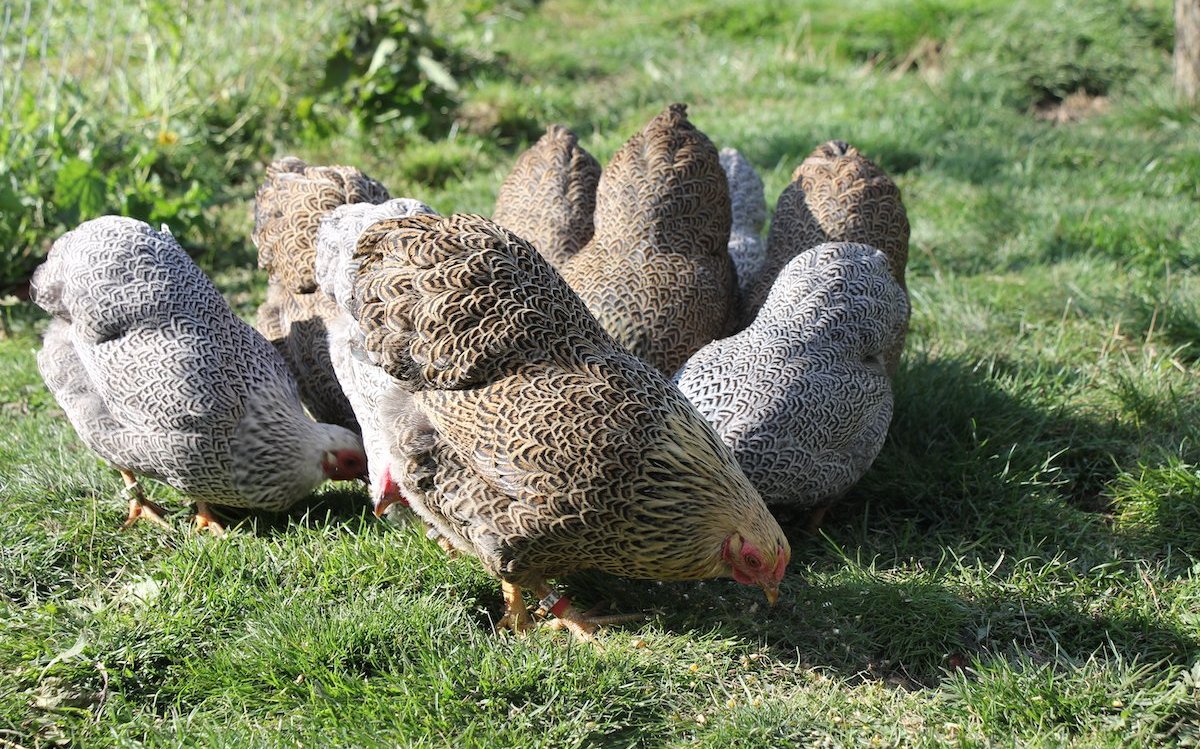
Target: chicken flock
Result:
[614, 372]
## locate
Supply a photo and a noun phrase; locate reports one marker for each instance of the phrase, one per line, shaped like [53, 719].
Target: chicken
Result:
[802, 396]
[366, 385]
[749, 212]
[296, 324]
[550, 196]
[161, 379]
[287, 209]
[533, 440]
[836, 195]
[657, 273]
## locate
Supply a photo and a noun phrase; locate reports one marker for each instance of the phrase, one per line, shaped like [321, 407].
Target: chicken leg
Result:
[566, 616]
[139, 506]
[206, 520]
[516, 615]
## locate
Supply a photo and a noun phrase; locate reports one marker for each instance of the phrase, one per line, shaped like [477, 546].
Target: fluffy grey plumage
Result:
[366, 385]
[749, 205]
[801, 396]
[160, 378]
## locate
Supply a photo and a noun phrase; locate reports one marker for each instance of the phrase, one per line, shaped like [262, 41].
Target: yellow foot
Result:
[516, 615]
[582, 625]
[139, 506]
[447, 547]
[206, 520]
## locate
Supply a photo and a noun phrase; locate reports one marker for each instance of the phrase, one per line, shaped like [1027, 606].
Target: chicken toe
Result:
[207, 520]
[139, 506]
[581, 624]
[516, 615]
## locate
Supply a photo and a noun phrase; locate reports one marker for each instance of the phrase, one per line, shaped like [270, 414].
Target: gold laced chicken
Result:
[549, 198]
[657, 273]
[531, 439]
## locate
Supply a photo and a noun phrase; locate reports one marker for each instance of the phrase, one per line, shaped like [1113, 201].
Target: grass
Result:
[1020, 566]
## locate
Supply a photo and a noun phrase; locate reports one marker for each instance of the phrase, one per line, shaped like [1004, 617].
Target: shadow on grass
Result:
[910, 634]
[1010, 493]
[343, 506]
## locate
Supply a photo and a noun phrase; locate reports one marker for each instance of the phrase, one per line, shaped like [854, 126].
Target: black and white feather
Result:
[801, 395]
[366, 385]
[160, 377]
[749, 205]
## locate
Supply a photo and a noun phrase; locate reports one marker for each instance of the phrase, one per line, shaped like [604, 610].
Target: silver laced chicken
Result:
[366, 385]
[802, 395]
[161, 379]
[749, 214]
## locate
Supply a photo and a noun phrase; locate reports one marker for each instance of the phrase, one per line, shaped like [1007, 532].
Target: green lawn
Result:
[1020, 567]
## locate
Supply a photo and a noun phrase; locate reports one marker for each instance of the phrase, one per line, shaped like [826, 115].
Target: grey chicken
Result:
[531, 439]
[836, 195]
[749, 213]
[366, 385]
[161, 379]
[287, 211]
[802, 396]
[657, 273]
[549, 198]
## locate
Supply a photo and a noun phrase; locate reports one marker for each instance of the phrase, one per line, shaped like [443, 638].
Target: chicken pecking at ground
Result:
[836, 195]
[161, 379]
[367, 386]
[531, 439]
[287, 211]
[802, 396]
[657, 273]
[549, 198]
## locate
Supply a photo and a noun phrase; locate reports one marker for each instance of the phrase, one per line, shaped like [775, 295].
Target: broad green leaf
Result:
[79, 191]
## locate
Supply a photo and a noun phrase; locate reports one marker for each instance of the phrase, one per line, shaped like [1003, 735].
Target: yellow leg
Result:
[516, 615]
[139, 506]
[206, 520]
[582, 625]
[448, 547]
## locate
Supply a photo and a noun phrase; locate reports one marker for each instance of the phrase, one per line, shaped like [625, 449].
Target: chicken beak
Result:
[772, 591]
[385, 502]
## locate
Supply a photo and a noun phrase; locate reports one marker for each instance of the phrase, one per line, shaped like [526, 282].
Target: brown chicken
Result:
[836, 195]
[532, 440]
[657, 274]
[296, 314]
[550, 196]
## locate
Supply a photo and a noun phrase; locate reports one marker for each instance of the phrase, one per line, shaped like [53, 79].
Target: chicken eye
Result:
[752, 561]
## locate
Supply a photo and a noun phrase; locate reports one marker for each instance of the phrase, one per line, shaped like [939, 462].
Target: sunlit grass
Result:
[1020, 567]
